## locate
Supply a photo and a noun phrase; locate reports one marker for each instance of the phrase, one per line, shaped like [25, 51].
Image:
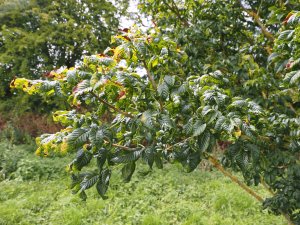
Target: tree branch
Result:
[218, 166]
[175, 10]
[172, 146]
[266, 186]
[215, 163]
[124, 147]
[256, 19]
[150, 77]
[121, 146]
[111, 106]
[154, 85]
[260, 24]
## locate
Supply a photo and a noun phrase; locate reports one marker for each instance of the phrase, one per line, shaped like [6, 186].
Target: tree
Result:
[169, 102]
[38, 36]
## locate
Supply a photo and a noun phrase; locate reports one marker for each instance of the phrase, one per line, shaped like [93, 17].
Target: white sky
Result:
[132, 10]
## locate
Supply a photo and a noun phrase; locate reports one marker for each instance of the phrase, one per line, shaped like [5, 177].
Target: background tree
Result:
[39, 36]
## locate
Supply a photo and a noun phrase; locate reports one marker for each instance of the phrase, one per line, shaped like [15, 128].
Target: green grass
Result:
[167, 196]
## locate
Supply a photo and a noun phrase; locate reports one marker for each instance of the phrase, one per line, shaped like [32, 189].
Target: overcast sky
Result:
[127, 22]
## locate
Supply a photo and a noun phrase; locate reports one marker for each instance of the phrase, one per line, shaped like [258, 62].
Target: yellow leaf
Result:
[238, 133]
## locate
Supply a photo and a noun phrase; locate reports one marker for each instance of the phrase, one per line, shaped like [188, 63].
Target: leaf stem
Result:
[154, 85]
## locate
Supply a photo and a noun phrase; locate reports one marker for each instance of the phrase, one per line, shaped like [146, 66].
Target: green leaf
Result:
[148, 156]
[239, 103]
[107, 61]
[82, 159]
[242, 160]
[166, 121]
[199, 128]
[128, 157]
[88, 182]
[182, 89]
[213, 116]
[127, 171]
[83, 195]
[147, 118]
[170, 80]
[78, 137]
[220, 98]
[103, 183]
[141, 48]
[219, 123]
[273, 57]
[97, 135]
[193, 161]
[82, 87]
[101, 158]
[285, 34]
[122, 51]
[232, 150]
[204, 141]
[189, 127]
[158, 161]
[247, 129]
[295, 78]
[75, 180]
[163, 90]
[254, 150]
[254, 108]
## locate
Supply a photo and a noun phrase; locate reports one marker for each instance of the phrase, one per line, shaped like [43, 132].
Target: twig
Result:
[150, 77]
[175, 10]
[154, 85]
[124, 147]
[111, 106]
[134, 149]
[172, 146]
[121, 146]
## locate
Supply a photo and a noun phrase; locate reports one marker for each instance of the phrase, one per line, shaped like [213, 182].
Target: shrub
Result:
[19, 162]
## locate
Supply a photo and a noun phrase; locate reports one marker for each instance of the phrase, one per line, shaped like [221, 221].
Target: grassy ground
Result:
[167, 196]
[163, 197]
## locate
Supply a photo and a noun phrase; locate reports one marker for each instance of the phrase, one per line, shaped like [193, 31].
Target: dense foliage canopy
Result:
[207, 75]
